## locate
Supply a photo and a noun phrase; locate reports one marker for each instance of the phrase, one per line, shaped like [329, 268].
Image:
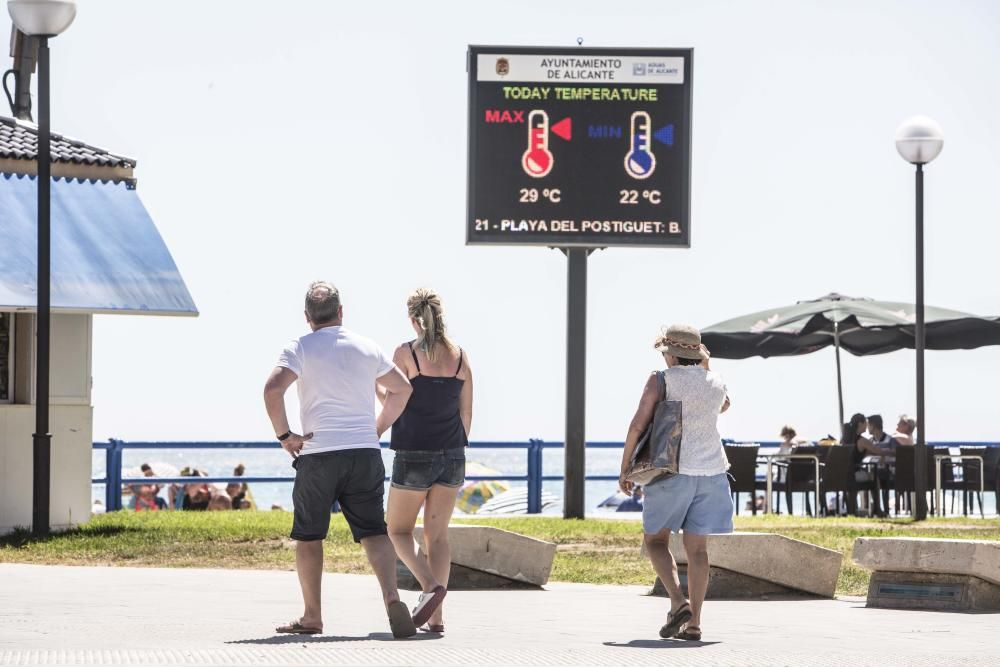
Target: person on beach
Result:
[697, 500]
[429, 439]
[337, 457]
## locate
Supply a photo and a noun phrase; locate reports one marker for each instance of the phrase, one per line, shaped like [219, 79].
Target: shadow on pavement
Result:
[332, 639]
[659, 643]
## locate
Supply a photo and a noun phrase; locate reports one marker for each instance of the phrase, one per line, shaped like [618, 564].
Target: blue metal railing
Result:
[114, 481]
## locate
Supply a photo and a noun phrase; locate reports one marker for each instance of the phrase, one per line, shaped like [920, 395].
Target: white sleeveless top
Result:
[702, 394]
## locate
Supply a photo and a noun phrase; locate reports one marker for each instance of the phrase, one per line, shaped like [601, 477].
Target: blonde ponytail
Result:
[424, 306]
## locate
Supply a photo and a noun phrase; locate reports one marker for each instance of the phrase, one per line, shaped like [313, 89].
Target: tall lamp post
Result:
[919, 140]
[42, 19]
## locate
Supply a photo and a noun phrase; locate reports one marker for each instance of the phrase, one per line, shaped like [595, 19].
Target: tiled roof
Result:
[19, 141]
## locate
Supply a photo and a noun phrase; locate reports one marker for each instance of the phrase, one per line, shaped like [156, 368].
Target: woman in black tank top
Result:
[861, 446]
[429, 439]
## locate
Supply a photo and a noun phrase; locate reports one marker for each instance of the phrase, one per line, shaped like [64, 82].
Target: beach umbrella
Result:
[474, 494]
[861, 326]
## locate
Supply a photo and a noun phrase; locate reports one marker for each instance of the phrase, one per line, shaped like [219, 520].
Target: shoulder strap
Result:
[415, 360]
[661, 380]
[461, 358]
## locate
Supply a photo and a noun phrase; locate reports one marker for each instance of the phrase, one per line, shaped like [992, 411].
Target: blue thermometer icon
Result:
[640, 161]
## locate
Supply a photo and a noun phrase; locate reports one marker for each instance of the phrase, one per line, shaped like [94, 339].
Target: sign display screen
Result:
[579, 146]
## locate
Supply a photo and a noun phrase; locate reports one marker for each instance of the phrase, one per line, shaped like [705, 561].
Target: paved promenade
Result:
[82, 615]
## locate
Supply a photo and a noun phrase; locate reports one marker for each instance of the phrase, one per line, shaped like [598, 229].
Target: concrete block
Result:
[940, 574]
[927, 590]
[499, 552]
[975, 558]
[728, 585]
[462, 578]
[776, 559]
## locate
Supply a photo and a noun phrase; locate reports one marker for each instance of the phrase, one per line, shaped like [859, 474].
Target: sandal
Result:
[691, 633]
[675, 621]
[433, 627]
[427, 604]
[400, 620]
[296, 628]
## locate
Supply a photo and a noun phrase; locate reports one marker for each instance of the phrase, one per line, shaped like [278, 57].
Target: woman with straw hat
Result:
[697, 499]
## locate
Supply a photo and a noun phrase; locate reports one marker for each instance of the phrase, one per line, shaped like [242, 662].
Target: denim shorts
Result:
[414, 470]
[700, 505]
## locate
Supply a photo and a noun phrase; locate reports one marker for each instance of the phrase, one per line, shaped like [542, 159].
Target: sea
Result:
[277, 463]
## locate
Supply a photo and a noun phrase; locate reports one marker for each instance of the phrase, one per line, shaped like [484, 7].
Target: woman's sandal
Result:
[296, 628]
[691, 633]
[675, 621]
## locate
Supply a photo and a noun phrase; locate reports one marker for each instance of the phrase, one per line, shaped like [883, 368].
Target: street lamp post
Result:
[919, 140]
[42, 19]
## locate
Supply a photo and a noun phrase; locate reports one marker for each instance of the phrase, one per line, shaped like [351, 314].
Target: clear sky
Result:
[279, 143]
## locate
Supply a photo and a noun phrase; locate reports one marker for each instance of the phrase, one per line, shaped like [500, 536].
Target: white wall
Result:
[72, 428]
[70, 422]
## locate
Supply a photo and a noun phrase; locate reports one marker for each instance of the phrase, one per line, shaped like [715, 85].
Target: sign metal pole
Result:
[576, 378]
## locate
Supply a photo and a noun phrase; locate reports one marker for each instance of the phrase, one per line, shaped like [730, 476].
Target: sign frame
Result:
[563, 240]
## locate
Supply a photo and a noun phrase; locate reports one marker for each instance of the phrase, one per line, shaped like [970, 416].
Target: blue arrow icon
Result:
[665, 135]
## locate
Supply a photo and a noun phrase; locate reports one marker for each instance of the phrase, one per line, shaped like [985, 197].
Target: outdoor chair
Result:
[799, 477]
[991, 474]
[948, 481]
[970, 479]
[743, 468]
[837, 476]
[905, 483]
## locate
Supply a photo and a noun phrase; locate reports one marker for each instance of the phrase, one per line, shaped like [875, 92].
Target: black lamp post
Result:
[42, 19]
[919, 140]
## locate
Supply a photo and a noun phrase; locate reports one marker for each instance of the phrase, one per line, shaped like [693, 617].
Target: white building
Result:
[107, 257]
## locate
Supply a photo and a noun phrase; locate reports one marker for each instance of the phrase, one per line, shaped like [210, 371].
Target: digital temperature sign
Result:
[579, 146]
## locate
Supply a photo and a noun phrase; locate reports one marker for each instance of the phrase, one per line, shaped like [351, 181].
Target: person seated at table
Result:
[887, 445]
[788, 440]
[879, 437]
[854, 436]
[904, 430]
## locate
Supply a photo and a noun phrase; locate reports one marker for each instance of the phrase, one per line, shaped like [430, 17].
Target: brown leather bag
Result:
[658, 452]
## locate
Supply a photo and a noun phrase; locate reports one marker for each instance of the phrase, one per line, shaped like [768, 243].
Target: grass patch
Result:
[598, 551]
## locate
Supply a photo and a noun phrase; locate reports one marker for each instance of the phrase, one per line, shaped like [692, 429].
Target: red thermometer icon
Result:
[537, 160]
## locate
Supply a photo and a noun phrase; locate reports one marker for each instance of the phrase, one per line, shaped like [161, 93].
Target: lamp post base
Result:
[41, 458]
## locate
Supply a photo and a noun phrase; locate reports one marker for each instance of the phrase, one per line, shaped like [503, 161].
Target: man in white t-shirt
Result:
[338, 459]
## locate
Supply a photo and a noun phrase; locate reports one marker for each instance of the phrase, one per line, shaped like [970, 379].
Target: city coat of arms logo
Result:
[503, 67]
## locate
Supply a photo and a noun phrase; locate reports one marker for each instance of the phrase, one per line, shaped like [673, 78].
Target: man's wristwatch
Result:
[284, 436]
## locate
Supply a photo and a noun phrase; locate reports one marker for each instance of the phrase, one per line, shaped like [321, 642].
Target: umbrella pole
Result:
[840, 386]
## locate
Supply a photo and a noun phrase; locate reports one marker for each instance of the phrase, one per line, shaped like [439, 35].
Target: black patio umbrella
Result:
[861, 326]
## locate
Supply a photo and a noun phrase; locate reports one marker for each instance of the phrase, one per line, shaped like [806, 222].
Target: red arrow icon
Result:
[563, 129]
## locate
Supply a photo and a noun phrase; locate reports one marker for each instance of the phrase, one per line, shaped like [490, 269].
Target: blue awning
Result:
[107, 256]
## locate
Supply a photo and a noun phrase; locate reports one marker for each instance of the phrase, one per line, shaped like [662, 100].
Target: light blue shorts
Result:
[697, 504]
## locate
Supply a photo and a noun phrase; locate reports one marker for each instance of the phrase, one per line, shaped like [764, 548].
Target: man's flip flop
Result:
[296, 628]
[427, 604]
[400, 620]
[675, 621]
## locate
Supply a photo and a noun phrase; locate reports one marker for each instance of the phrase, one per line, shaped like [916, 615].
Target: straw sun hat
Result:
[681, 340]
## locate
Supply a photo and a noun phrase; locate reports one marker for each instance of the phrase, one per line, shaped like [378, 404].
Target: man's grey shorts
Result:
[698, 505]
[353, 477]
